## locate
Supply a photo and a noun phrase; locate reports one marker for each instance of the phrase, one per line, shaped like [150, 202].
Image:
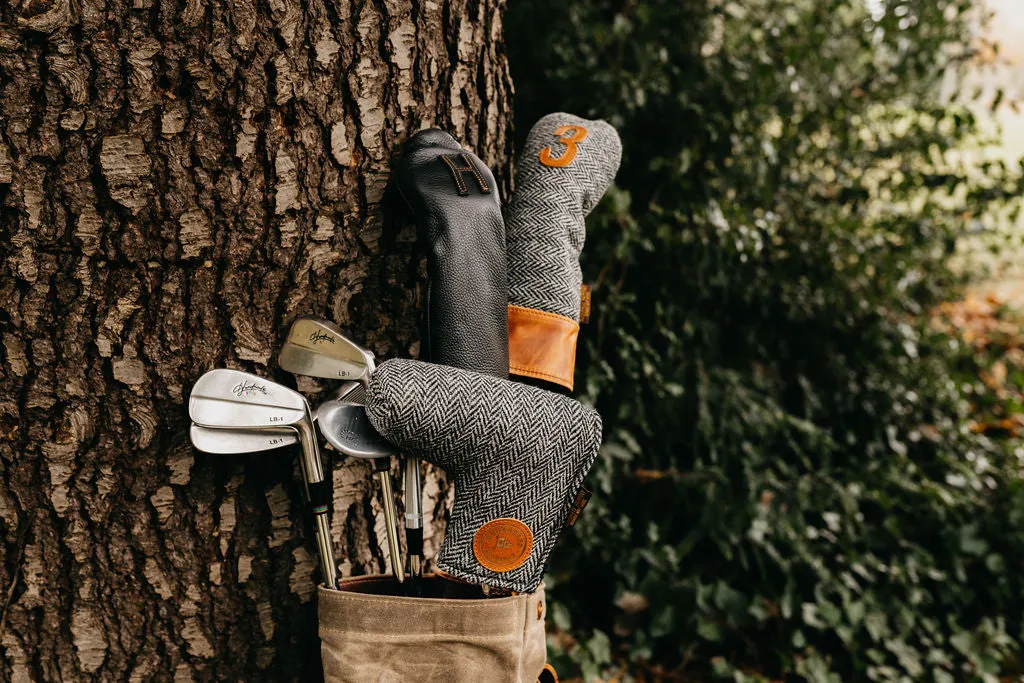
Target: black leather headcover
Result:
[458, 213]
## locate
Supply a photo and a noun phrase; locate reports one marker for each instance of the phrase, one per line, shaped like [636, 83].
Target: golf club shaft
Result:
[323, 542]
[413, 517]
[319, 501]
[391, 524]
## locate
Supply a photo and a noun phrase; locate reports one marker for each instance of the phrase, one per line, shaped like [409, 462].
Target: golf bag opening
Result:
[371, 631]
[433, 586]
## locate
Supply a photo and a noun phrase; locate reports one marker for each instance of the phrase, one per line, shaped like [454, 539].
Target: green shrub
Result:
[788, 486]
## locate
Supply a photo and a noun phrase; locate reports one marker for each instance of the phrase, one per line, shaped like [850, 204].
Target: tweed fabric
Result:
[544, 224]
[512, 451]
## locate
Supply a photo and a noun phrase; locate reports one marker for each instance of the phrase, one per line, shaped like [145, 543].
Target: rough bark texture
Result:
[179, 180]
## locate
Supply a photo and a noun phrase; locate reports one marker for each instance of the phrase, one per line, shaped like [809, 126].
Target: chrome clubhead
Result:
[235, 400]
[232, 441]
[346, 427]
[318, 348]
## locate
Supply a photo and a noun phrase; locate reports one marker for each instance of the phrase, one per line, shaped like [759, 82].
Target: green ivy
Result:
[788, 487]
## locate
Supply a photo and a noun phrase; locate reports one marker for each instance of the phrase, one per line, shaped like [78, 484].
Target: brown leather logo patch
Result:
[502, 544]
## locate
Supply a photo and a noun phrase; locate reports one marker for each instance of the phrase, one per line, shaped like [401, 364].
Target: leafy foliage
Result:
[789, 486]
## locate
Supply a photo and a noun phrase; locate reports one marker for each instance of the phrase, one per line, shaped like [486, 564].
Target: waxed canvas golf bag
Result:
[453, 634]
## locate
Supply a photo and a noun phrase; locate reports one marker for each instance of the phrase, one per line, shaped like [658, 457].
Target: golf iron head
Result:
[345, 426]
[225, 441]
[231, 399]
[318, 348]
[233, 441]
[235, 400]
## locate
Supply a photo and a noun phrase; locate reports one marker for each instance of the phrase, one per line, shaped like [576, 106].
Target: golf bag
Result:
[452, 634]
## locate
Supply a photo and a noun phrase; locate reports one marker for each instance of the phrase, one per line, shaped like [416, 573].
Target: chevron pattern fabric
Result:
[512, 451]
[544, 224]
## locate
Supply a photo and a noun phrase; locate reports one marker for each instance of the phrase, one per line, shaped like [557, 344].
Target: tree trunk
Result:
[178, 182]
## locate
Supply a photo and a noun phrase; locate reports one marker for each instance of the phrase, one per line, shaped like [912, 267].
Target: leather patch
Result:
[542, 345]
[568, 136]
[459, 164]
[584, 304]
[502, 544]
[582, 498]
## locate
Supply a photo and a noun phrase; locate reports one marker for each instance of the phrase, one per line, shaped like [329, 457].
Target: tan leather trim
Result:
[542, 345]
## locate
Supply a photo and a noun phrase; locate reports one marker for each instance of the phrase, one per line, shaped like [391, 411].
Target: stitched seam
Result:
[455, 174]
[393, 600]
[422, 636]
[530, 372]
[542, 315]
[479, 178]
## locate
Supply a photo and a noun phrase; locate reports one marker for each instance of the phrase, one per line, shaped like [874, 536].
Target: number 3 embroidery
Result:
[570, 135]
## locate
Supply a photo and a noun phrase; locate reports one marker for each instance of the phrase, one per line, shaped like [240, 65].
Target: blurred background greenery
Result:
[811, 467]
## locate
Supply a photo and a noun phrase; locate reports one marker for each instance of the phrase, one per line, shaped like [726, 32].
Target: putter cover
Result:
[517, 455]
[458, 215]
[562, 173]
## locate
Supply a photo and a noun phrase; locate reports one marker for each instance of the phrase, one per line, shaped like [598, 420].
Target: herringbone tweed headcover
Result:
[514, 452]
[544, 225]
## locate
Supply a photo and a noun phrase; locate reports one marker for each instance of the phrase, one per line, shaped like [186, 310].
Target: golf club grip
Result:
[414, 539]
[413, 515]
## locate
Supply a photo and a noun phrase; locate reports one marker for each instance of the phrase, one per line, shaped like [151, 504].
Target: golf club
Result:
[235, 441]
[346, 427]
[318, 348]
[235, 400]
[231, 441]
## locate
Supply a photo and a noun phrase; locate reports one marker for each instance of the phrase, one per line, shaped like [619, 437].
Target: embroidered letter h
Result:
[459, 165]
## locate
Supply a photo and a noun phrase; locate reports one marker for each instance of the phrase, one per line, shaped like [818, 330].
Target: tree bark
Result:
[178, 182]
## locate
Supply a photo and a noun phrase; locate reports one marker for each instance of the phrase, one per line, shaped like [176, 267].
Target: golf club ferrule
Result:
[319, 496]
[413, 502]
